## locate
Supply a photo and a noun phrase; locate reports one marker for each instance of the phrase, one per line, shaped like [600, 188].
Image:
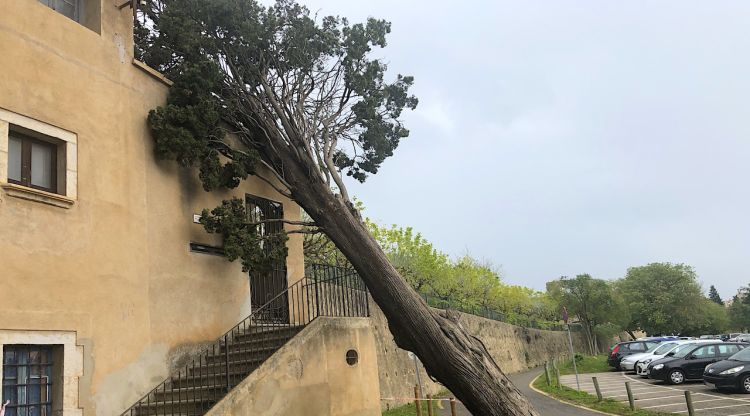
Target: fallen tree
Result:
[299, 102]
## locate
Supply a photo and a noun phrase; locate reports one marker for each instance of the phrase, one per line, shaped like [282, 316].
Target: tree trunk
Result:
[449, 354]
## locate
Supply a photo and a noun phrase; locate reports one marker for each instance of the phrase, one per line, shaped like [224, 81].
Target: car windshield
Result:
[652, 348]
[743, 355]
[683, 350]
[662, 349]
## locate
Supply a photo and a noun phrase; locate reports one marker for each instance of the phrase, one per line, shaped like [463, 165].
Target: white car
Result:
[628, 363]
[665, 348]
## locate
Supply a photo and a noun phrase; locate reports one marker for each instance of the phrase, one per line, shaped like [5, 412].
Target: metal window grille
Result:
[27, 380]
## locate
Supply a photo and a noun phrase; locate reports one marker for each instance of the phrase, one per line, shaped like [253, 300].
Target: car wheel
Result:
[745, 384]
[676, 377]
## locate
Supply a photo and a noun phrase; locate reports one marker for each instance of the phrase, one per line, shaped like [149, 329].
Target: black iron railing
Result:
[224, 363]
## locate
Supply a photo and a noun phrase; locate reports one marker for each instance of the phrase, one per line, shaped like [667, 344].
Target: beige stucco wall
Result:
[514, 348]
[114, 268]
[310, 375]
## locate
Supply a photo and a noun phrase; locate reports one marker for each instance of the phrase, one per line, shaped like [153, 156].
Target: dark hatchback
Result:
[730, 374]
[689, 363]
[623, 349]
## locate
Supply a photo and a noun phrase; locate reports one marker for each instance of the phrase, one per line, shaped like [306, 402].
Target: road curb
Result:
[531, 386]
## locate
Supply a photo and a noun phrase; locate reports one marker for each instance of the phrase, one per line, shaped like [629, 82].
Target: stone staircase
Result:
[196, 390]
[208, 377]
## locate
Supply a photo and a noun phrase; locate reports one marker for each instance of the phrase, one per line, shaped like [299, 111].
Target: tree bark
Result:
[449, 354]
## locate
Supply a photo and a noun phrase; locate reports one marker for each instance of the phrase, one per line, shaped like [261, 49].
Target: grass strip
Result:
[585, 364]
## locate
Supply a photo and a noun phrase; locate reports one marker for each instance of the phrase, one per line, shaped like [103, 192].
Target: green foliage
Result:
[713, 295]
[211, 48]
[243, 239]
[464, 284]
[708, 318]
[259, 88]
[256, 86]
[416, 259]
[607, 330]
[739, 310]
[585, 364]
[664, 299]
[590, 300]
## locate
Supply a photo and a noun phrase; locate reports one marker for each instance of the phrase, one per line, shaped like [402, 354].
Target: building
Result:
[107, 284]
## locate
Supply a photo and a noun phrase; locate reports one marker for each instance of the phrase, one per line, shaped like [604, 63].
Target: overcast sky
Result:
[565, 137]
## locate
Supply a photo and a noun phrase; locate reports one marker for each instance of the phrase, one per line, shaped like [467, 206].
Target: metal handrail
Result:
[224, 363]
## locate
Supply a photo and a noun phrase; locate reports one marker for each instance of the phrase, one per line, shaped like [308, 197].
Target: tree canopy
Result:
[663, 297]
[739, 310]
[713, 294]
[588, 299]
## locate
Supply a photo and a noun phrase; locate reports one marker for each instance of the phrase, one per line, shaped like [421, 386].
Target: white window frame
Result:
[65, 198]
[72, 360]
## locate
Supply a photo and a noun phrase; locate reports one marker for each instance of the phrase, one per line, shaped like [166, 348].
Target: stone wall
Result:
[514, 348]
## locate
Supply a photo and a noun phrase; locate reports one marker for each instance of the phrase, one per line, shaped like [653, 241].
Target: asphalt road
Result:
[543, 404]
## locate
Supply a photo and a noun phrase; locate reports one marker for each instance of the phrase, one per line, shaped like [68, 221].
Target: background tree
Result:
[301, 103]
[588, 299]
[739, 310]
[713, 294]
[662, 297]
[415, 258]
[708, 318]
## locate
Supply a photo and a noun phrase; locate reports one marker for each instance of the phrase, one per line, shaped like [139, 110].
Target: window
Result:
[637, 347]
[38, 161]
[28, 379]
[727, 350]
[40, 370]
[69, 8]
[705, 352]
[32, 162]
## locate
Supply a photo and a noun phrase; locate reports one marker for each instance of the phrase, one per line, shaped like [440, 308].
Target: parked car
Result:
[730, 374]
[708, 337]
[665, 349]
[689, 363]
[627, 363]
[734, 337]
[623, 349]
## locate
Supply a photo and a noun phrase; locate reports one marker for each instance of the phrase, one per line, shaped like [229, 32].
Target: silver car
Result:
[628, 362]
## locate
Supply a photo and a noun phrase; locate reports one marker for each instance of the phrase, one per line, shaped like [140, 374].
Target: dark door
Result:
[266, 286]
[696, 362]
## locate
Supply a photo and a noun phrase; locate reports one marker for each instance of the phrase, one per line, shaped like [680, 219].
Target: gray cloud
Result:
[565, 137]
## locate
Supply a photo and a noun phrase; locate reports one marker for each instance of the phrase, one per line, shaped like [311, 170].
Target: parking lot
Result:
[657, 396]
